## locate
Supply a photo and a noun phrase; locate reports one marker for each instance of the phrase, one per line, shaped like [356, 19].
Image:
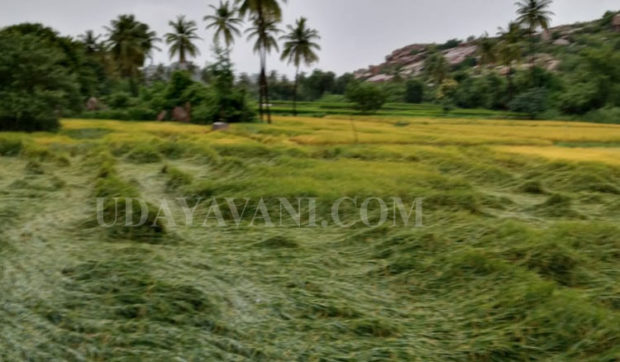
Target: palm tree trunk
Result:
[510, 85]
[133, 83]
[263, 99]
[295, 92]
[261, 81]
[266, 88]
[267, 101]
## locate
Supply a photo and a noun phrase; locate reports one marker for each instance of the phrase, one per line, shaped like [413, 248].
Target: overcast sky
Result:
[355, 33]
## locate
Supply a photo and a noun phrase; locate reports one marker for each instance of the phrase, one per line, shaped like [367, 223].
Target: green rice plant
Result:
[176, 178]
[144, 153]
[34, 168]
[10, 145]
[532, 187]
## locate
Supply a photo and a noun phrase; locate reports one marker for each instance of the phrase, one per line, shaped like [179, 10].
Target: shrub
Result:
[604, 115]
[180, 81]
[119, 100]
[368, 97]
[532, 102]
[414, 91]
[580, 98]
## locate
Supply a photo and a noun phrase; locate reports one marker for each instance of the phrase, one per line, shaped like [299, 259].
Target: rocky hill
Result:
[409, 61]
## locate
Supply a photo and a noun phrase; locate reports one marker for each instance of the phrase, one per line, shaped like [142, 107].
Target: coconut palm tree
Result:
[510, 43]
[534, 14]
[261, 7]
[264, 31]
[131, 43]
[299, 47]
[91, 42]
[181, 40]
[264, 15]
[510, 49]
[225, 22]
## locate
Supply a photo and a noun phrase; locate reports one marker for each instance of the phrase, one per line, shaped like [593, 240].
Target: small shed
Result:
[615, 22]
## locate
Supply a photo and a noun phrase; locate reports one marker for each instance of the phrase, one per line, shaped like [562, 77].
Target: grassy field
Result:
[518, 258]
[320, 109]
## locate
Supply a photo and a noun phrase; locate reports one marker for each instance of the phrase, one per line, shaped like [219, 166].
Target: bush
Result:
[119, 100]
[230, 108]
[532, 102]
[368, 97]
[35, 86]
[414, 91]
[604, 115]
[580, 98]
[175, 92]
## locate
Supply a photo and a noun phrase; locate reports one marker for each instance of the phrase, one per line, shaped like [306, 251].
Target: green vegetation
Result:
[300, 46]
[35, 86]
[368, 98]
[517, 258]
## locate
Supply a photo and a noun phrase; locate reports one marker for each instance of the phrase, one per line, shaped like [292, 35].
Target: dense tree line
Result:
[45, 75]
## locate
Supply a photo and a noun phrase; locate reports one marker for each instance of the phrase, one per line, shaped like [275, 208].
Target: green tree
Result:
[182, 39]
[436, 67]
[230, 103]
[534, 14]
[264, 31]
[265, 16]
[593, 83]
[414, 91]
[300, 47]
[225, 22]
[319, 83]
[368, 97]
[487, 51]
[36, 86]
[74, 57]
[91, 42]
[510, 50]
[531, 102]
[131, 43]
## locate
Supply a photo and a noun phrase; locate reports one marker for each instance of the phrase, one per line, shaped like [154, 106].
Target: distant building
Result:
[616, 23]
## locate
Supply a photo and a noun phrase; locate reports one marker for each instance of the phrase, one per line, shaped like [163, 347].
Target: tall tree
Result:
[534, 14]
[436, 66]
[261, 7]
[182, 39]
[131, 43]
[225, 22]
[91, 42]
[300, 47]
[265, 15]
[510, 50]
[264, 30]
